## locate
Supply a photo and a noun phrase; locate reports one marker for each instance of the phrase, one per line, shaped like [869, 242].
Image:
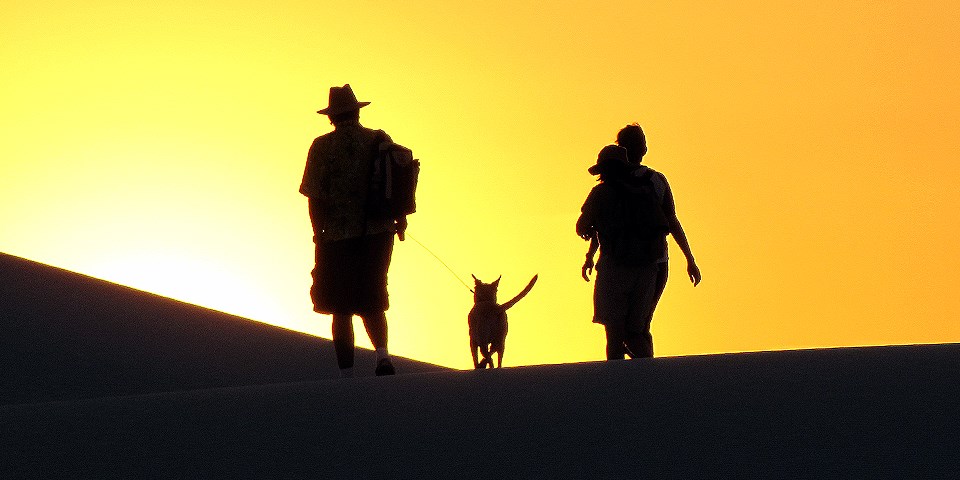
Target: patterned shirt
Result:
[337, 175]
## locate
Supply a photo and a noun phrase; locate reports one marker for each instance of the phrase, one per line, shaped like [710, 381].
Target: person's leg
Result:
[615, 348]
[331, 293]
[610, 306]
[374, 300]
[640, 345]
[661, 284]
[647, 337]
[343, 339]
[376, 326]
[639, 340]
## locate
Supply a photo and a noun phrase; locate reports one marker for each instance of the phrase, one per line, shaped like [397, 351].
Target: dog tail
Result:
[513, 301]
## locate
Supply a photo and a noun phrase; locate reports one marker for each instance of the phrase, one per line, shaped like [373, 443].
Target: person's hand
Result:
[402, 228]
[693, 271]
[587, 269]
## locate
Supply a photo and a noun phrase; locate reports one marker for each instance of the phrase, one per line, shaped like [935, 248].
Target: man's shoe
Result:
[385, 367]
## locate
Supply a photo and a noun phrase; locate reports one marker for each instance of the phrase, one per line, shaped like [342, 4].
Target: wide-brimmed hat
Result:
[342, 100]
[612, 159]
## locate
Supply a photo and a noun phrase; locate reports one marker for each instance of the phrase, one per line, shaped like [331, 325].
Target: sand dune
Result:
[70, 336]
[877, 412]
[883, 412]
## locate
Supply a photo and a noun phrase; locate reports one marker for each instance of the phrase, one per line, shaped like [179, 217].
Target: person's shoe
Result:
[385, 367]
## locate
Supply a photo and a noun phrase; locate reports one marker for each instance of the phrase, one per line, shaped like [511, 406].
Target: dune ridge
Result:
[87, 396]
[71, 336]
[873, 412]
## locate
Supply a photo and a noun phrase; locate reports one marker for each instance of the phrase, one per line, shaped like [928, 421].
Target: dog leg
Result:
[474, 348]
[487, 357]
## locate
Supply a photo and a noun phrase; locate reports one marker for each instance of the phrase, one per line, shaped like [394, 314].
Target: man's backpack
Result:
[393, 181]
[637, 234]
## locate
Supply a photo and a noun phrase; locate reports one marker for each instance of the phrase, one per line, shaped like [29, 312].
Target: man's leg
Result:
[639, 340]
[343, 341]
[615, 347]
[640, 345]
[376, 326]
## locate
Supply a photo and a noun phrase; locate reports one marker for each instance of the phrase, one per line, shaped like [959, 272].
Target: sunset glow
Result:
[812, 148]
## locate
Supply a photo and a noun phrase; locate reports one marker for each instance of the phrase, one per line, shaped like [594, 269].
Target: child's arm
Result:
[586, 230]
[588, 264]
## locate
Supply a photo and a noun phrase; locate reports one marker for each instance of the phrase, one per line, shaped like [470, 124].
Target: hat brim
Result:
[342, 109]
[611, 166]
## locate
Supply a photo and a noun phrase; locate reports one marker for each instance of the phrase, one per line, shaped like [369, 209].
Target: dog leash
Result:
[411, 237]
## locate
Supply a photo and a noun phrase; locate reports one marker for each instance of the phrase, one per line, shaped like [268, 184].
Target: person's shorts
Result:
[624, 295]
[350, 276]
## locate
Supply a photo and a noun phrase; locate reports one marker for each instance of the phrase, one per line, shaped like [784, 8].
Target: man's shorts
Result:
[350, 276]
[624, 295]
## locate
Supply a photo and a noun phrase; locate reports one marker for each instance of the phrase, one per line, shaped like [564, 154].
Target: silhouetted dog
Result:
[488, 321]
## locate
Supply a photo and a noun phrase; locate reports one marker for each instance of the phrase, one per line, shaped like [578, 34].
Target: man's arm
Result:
[316, 214]
[401, 224]
[670, 211]
[693, 271]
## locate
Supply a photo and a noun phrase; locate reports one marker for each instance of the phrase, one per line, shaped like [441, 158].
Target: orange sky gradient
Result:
[812, 148]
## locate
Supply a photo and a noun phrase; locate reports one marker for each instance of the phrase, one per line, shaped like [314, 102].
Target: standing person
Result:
[633, 139]
[353, 249]
[628, 216]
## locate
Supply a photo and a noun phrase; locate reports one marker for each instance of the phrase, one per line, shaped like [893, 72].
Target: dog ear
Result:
[497, 281]
[475, 279]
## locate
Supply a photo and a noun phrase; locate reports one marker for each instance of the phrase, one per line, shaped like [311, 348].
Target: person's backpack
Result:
[393, 181]
[639, 230]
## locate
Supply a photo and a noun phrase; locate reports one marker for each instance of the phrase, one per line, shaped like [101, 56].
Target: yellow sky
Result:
[812, 148]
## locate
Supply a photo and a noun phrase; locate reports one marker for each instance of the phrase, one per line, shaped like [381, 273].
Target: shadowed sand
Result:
[872, 412]
[887, 412]
[70, 336]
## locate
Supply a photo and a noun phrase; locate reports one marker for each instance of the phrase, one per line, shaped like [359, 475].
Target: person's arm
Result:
[401, 224]
[588, 264]
[587, 231]
[693, 271]
[670, 211]
[316, 214]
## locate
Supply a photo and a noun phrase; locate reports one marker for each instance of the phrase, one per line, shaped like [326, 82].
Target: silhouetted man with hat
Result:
[353, 247]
